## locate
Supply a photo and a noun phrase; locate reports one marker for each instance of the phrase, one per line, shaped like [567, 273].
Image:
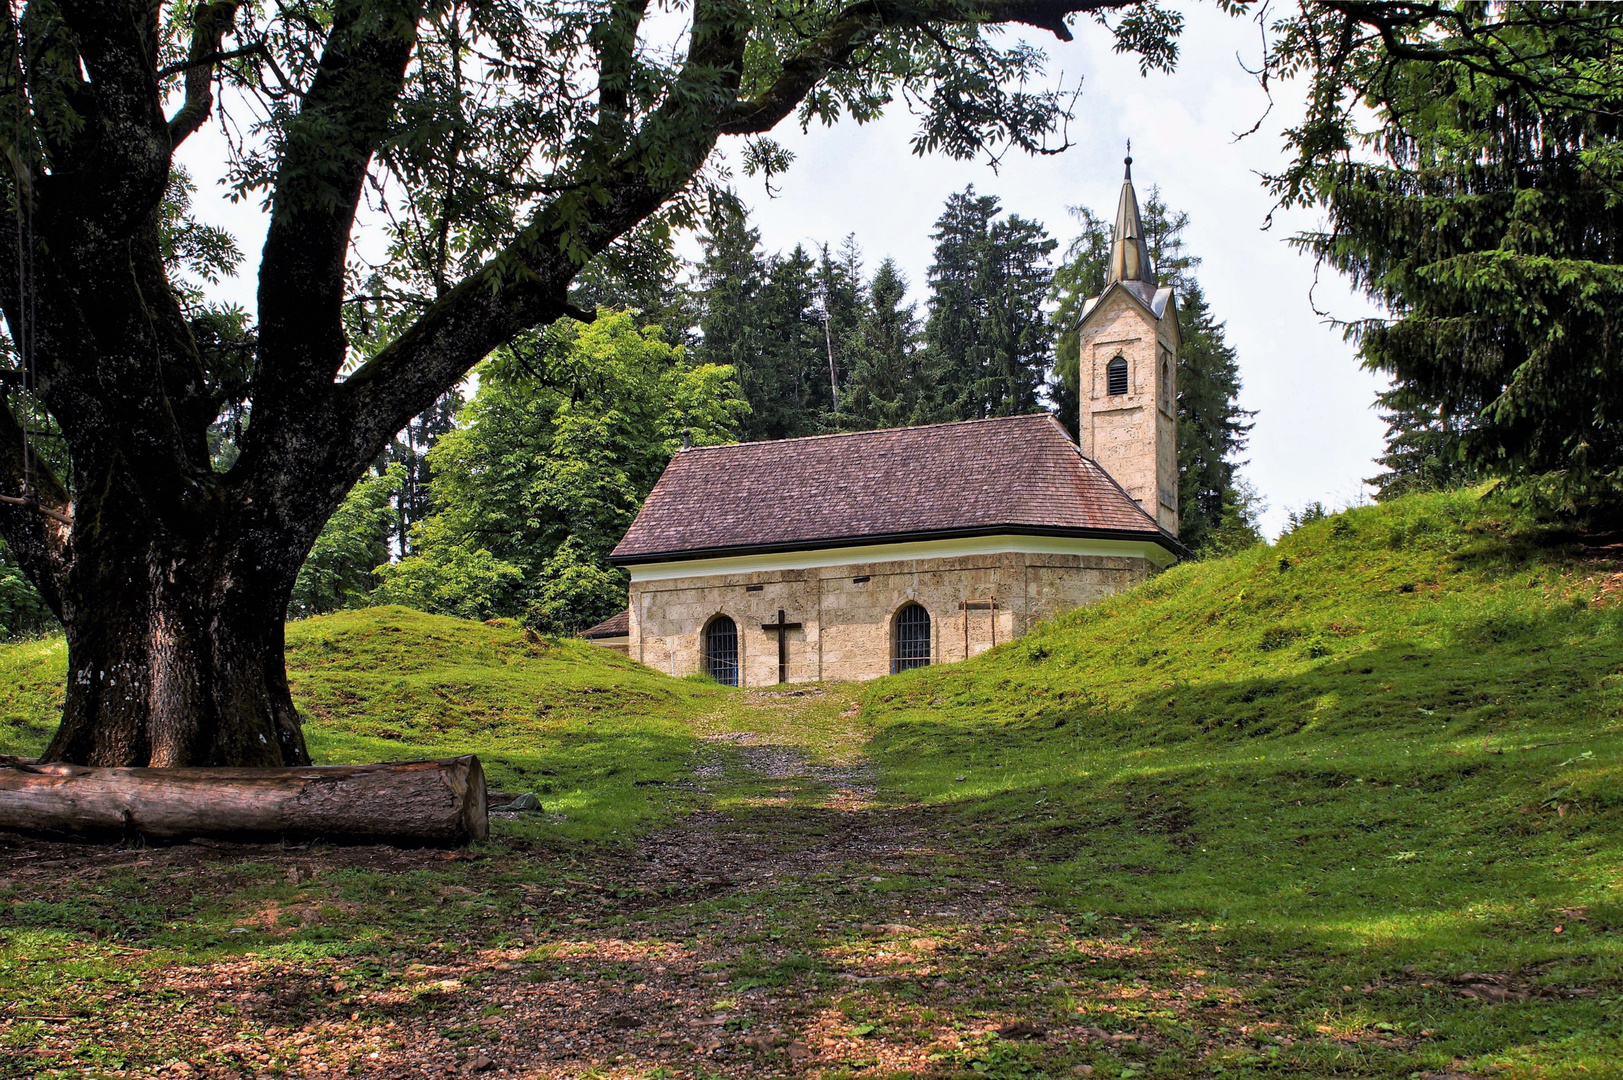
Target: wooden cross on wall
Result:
[783, 629]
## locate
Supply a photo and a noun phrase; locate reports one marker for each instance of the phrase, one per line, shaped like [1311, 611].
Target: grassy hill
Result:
[1390, 744]
[591, 731]
[1350, 804]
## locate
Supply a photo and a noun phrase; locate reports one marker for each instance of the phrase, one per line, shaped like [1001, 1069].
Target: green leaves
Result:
[338, 572]
[567, 435]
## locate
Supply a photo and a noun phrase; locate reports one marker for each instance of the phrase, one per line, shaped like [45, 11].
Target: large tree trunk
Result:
[419, 802]
[175, 642]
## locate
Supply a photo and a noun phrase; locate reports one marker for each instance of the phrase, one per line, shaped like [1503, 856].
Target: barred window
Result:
[910, 643]
[721, 650]
[1116, 377]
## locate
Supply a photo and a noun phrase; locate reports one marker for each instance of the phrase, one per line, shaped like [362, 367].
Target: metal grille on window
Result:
[721, 650]
[912, 644]
[1116, 377]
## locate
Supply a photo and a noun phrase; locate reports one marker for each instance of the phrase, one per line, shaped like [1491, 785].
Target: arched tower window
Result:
[1166, 382]
[1116, 377]
[910, 640]
[721, 650]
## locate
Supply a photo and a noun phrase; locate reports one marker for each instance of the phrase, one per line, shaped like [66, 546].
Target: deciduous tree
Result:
[502, 145]
[569, 431]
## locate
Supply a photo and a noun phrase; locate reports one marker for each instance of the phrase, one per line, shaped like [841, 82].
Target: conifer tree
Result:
[989, 340]
[787, 384]
[841, 306]
[761, 315]
[1425, 446]
[1486, 218]
[887, 385]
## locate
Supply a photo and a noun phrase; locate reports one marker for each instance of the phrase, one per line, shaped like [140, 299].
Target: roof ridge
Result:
[879, 431]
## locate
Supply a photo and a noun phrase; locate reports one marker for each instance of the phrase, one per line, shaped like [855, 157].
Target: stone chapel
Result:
[858, 555]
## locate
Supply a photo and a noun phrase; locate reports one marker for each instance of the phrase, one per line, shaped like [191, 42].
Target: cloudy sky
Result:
[1315, 432]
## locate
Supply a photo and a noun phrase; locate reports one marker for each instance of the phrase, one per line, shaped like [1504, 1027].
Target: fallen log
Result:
[414, 803]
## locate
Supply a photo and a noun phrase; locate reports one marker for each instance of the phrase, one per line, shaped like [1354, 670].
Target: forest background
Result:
[508, 504]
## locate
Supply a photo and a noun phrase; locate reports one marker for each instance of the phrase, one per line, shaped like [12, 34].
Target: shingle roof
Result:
[1019, 474]
[613, 626]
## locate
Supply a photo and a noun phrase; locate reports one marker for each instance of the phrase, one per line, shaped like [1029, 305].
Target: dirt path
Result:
[796, 926]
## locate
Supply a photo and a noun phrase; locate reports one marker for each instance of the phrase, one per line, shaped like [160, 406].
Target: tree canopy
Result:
[569, 431]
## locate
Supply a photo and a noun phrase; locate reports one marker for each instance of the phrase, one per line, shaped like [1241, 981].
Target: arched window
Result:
[721, 650]
[1166, 382]
[910, 642]
[1116, 377]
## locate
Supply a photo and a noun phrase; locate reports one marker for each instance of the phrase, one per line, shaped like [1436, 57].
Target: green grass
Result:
[32, 678]
[593, 733]
[1348, 805]
[1381, 753]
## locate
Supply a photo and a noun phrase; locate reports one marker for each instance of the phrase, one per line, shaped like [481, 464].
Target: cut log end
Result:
[413, 803]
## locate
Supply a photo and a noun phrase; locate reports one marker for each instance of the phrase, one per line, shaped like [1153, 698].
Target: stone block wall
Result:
[846, 612]
[1133, 436]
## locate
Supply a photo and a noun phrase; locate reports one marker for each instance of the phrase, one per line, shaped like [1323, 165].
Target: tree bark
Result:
[175, 638]
[432, 803]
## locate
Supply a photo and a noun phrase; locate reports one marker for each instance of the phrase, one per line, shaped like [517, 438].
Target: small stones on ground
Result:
[479, 1063]
[1022, 1029]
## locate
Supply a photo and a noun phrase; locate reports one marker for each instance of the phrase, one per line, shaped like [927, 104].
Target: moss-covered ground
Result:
[1347, 805]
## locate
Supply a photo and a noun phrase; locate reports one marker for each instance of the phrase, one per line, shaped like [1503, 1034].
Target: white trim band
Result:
[1000, 544]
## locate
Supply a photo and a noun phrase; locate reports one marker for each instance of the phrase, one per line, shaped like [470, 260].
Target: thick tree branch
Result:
[342, 119]
[124, 178]
[527, 284]
[859, 23]
[1486, 46]
[615, 40]
[210, 26]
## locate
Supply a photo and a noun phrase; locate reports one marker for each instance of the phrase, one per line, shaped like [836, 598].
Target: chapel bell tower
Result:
[1127, 371]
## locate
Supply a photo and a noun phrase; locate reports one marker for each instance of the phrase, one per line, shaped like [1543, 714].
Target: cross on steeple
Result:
[783, 629]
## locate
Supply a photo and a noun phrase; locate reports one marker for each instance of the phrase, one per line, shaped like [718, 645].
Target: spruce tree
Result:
[1425, 446]
[1485, 218]
[762, 315]
[789, 387]
[887, 386]
[1216, 510]
[989, 339]
[840, 307]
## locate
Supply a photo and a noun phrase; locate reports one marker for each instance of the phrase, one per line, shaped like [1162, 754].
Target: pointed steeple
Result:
[1129, 253]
